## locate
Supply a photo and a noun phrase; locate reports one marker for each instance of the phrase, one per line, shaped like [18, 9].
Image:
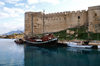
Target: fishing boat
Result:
[76, 45]
[19, 41]
[82, 45]
[47, 40]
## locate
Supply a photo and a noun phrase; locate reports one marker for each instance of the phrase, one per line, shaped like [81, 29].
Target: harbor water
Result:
[12, 54]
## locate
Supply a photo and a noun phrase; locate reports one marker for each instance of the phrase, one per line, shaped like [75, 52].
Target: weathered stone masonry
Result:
[54, 22]
[94, 19]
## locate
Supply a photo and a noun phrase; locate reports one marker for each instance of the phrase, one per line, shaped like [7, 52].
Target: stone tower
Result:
[94, 19]
[33, 23]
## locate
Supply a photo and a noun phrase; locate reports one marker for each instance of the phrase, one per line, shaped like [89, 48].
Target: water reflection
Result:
[20, 55]
[35, 56]
[10, 53]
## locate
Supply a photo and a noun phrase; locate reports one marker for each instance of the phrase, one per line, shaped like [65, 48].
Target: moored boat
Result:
[47, 40]
[19, 41]
[76, 45]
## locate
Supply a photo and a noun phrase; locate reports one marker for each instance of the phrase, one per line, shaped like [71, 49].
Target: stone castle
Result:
[39, 22]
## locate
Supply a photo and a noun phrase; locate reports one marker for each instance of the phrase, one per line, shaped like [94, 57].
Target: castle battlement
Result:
[94, 8]
[65, 13]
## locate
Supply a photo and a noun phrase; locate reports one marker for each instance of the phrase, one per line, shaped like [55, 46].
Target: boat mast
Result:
[43, 21]
[32, 24]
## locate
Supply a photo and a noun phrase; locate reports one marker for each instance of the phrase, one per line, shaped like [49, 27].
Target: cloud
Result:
[74, 5]
[27, 8]
[51, 1]
[32, 1]
[43, 1]
[12, 1]
[11, 12]
[20, 4]
[2, 3]
[3, 15]
[15, 24]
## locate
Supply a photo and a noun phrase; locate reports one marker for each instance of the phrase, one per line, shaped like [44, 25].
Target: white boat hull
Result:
[73, 44]
[98, 46]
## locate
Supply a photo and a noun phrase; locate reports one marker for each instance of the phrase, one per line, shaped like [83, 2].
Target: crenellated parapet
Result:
[56, 14]
[65, 13]
[94, 8]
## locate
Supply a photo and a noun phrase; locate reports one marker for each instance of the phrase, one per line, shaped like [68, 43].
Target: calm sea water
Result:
[22, 55]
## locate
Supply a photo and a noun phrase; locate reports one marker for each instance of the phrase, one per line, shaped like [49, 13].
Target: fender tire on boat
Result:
[94, 47]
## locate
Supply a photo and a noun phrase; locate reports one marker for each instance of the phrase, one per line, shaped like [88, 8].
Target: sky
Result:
[12, 11]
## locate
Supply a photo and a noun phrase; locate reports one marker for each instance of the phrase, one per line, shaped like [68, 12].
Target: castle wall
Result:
[65, 20]
[94, 19]
[28, 23]
[32, 22]
[54, 22]
[73, 21]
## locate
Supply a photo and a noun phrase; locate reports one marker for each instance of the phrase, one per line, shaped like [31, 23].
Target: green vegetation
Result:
[80, 33]
[61, 35]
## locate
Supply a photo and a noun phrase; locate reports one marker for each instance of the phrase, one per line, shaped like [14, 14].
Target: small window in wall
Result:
[78, 17]
[95, 14]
